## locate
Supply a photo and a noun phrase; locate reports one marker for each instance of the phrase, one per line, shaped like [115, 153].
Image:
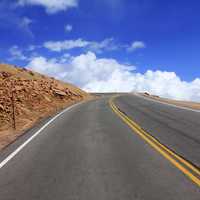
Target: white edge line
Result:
[13, 154]
[172, 105]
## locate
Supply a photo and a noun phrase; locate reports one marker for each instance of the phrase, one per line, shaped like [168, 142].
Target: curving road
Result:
[89, 153]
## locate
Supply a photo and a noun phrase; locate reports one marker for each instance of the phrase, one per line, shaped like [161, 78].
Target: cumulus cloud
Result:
[136, 45]
[108, 75]
[107, 44]
[68, 28]
[51, 6]
[51, 67]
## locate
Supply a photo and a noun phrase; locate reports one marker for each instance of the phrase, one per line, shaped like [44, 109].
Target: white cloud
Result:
[13, 21]
[31, 48]
[65, 58]
[25, 22]
[51, 6]
[107, 44]
[68, 28]
[50, 67]
[108, 75]
[65, 45]
[136, 45]
[16, 53]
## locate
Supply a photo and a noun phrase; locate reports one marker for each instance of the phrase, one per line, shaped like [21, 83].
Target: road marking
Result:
[13, 154]
[188, 164]
[163, 150]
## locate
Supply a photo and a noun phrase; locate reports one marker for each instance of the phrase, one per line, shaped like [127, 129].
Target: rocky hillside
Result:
[27, 96]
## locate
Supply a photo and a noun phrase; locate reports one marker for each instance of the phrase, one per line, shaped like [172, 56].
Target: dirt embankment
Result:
[186, 104]
[26, 97]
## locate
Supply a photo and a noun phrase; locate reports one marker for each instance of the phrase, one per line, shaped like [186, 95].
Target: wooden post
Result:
[13, 107]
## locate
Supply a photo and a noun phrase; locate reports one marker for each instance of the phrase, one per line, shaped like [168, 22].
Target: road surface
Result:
[90, 153]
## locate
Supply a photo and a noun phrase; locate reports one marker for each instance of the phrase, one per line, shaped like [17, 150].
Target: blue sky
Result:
[139, 34]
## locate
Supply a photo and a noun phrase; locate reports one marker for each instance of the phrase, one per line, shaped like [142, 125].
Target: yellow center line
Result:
[189, 165]
[163, 150]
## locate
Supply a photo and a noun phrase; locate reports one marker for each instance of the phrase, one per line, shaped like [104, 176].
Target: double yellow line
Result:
[183, 165]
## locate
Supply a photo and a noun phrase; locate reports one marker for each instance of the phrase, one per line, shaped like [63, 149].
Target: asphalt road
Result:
[179, 129]
[89, 153]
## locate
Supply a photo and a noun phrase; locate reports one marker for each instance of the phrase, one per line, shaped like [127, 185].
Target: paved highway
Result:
[107, 149]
